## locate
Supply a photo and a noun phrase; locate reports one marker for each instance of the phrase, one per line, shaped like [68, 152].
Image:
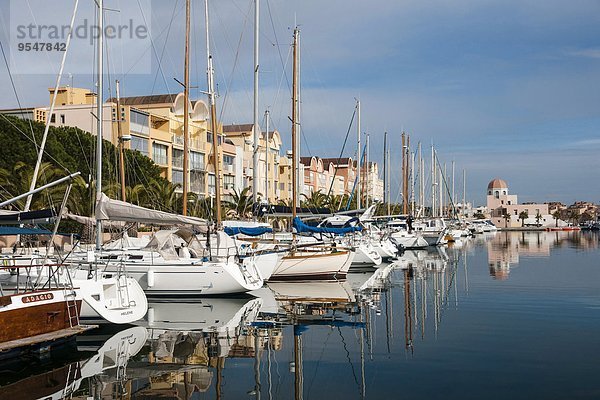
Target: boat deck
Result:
[45, 337]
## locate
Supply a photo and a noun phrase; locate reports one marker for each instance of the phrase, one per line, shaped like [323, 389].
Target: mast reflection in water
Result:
[460, 317]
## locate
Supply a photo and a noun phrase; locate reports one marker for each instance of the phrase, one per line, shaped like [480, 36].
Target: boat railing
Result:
[35, 276]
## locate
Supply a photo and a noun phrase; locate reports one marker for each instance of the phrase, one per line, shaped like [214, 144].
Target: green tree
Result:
[538, 218]
[316, 199]
[523, 215]
[556, 215]
[240, 204]
[506, 219]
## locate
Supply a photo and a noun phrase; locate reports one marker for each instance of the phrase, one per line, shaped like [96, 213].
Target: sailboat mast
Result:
[421, 192]
[267, 157]
[121, 144]
[367, 174]
[407, 152]
[255, 114]
[404, 183]
[359, 155]
[295, 165]
[464, 206]
[42, 147]
[389, 195]
[186, 111]
[385, 170]
[99, 109]
[453, 200]
[412, 183]
[433, 209]
[213, 120]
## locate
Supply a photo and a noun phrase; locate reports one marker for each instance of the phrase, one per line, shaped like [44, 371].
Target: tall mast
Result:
[464, 206]
[420, 179]
[453, 200]
[121, 144]
[404, 171]
[267, 157]
[433, 176]
[407, 152]
[256, 128]
[412, 183]
[295, 165]
[359, 153]
[367, 169]
[42, 147]
[213, 121]
[186, 111]
[385, 171]
[389, 195]
[100, 58]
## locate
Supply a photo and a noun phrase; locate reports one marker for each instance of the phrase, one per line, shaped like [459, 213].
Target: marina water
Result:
[511, 315]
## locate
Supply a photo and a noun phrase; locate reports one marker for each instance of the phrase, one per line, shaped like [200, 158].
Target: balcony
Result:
[177, 139]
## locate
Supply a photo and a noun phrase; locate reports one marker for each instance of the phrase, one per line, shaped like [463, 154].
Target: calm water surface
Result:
[513, 315]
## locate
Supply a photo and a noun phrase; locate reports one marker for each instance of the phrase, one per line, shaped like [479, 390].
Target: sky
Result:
[506, 89]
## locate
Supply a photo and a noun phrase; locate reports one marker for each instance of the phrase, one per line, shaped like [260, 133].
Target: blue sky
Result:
[506, 88]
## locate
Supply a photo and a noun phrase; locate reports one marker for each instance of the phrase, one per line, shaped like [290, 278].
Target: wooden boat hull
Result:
[35, 313]
[306, 265]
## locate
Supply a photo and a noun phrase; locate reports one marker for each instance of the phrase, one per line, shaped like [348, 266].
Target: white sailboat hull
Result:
[409, 241]
[118, 300]
[314, 265]
[193, 279]
[366, 255]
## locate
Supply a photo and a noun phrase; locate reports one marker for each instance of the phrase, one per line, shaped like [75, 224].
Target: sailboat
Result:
[316, 261]
[176, 261]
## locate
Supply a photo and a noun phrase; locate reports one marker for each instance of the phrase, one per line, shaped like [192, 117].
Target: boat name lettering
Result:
[38, 297]
[127, 312]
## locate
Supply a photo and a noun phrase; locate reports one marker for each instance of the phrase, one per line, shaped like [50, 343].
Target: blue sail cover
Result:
[15, 230]
[301, 227]
[255, 231]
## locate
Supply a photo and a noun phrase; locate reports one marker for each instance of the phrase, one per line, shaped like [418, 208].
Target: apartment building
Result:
[269, 159]
[153, 125]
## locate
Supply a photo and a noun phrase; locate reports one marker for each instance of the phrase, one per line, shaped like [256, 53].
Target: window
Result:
[211, 184]
[209, 138]
[177, 177]
[229, 182]
[62, 119]
[159, 153]
[139, 144]
[197, 181]
[138, 122]
[53, 118]
[177, 160]
[228, 160]
[496, 194]
[516, 212]
[196, 161]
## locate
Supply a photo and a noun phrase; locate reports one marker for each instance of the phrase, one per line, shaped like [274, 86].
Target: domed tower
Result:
[497, 187]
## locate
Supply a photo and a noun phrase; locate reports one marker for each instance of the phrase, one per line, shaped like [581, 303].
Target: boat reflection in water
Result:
[181, 348]
[90, 375]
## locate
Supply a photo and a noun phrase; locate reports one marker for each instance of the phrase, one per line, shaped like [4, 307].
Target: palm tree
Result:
[18, 180]
[523, 215]
[316, 199]
[241, 204]
[538, 218]
[556, 215]
[162, 195]
[506, 219]
[200, 207]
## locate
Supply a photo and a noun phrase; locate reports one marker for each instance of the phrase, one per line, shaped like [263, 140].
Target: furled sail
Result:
[117, 210]
[301, 227]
